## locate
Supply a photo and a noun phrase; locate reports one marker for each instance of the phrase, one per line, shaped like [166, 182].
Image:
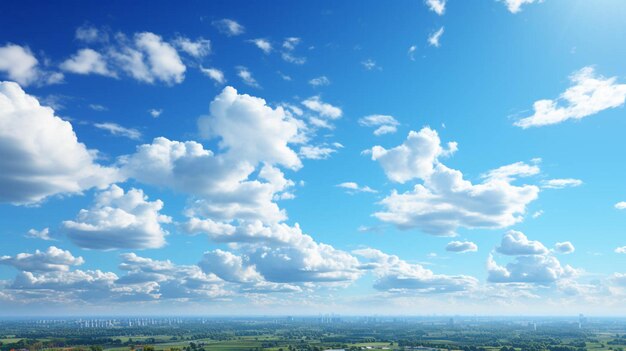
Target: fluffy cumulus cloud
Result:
[87, 61]
[589, 94]
[444, 200]
[40, 155]
[384, 124]
[48, 277]
[461, 246]
[167, 280]
[515, 243]
[288, 47]
[620, 205]
[51, 260]
[565, 247]
[251, 130]
[620, 250]
[20, 65]
[532, 263]
[43, 234]
[119, 220]
[282, 253]
[396, 275]
[145, 56]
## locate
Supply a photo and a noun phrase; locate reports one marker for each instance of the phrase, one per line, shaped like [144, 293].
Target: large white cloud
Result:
[446, 201]
[589, 94]
[40, 155]
[51, 260]
[251, 130]
[119, 220]
[395, 274]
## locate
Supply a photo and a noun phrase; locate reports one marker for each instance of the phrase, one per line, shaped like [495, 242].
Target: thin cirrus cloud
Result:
[117, 130]
[515, 6]
[437, 6]
[589, 94]
[229, 27]
[435, 37]
[384, 124]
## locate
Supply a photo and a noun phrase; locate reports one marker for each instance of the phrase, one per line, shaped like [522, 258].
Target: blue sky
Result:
[414, 157]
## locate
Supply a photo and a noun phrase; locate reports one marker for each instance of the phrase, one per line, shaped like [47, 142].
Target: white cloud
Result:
[533, 262]
[561, 183]
[437, 6]
[215, 74]
[370, 65]
[621, 205]
[87, 61]
[515, 243]
[198, 48]
[229, 27]
[446, 201]
[538, 269]
[461, 246]
[565, 247]
[515, 6]
[41, 156]
[90, 34]
[246, 77]
[415, 158]
[396, 275]
[589, 94]
[289, 45]
[384, 124]
[228, 267]
[118, 130]
[251, 130]
[21, 66]
[155, 113]
[43, 234]
[433, 39]
[312, 152]
[262, 44]
[411, 52]
[51, 260]
[324, 109]
[119, 220]
[148, 59]
[620, 250]
[353, 187]
[319, 81]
